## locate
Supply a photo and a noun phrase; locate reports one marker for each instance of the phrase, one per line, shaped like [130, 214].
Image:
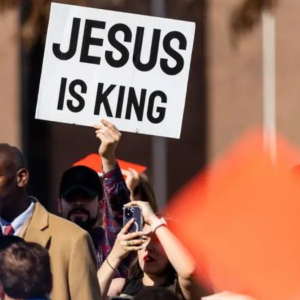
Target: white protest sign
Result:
[129, 69]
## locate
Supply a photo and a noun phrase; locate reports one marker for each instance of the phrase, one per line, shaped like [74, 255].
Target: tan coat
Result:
[72, 255]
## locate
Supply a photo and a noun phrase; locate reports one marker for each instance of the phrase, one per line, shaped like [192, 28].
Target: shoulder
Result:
[61, 231]
[65, 227]
[68, 235]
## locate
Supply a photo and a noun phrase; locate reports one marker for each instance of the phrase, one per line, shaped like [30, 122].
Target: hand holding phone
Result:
[134, 212]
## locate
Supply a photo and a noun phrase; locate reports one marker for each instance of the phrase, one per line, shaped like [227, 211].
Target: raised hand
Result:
[147, 211]
[110, 137]
[132, 180]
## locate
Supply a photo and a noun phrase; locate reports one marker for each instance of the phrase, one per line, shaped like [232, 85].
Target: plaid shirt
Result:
[116, 195]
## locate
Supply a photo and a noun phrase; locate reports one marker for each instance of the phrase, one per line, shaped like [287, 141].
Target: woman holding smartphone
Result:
[161, 260]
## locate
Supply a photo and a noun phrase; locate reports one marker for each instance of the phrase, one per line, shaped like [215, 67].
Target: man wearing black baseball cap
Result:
[83, 197]
[80, 193]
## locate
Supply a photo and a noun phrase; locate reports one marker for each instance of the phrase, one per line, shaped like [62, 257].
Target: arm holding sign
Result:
[116, 193]
[110, 137]
[115, 189]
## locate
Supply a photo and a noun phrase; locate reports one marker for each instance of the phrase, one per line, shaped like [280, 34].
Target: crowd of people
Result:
[87, 253]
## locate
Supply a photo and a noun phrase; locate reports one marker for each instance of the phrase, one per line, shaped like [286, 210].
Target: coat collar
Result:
[37, 227]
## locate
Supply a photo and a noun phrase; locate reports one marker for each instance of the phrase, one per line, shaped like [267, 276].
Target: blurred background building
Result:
[225, 93]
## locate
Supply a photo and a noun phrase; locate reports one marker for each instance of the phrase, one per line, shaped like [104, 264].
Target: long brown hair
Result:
[146, 192]
[172, 283]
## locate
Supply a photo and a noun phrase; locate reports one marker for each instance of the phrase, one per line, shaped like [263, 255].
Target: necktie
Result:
[9, 230]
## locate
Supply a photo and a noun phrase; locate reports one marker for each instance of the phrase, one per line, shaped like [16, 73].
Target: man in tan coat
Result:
[70, 248]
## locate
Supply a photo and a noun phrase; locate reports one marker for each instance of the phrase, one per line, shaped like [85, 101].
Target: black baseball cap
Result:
[81, 178]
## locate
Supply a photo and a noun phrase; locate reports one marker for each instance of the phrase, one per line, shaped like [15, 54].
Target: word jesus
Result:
[120, 46]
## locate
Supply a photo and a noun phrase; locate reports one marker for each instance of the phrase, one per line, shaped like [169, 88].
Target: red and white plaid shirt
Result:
[116, 195]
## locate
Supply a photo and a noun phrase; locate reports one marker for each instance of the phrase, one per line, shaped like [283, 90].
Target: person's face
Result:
[79, 208]
[152, 259]
[8, 180]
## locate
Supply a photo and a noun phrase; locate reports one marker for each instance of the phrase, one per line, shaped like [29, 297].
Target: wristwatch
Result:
[158, 223]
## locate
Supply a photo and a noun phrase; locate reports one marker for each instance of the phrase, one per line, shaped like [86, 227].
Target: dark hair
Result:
[156, 293]
[25, 271]
[18, 157]
[146, 192]
[8, 240]
[136, 272]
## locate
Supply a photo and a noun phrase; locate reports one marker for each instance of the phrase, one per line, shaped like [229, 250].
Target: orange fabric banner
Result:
[241, 221]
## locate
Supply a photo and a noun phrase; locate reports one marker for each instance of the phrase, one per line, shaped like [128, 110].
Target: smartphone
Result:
[134, 212]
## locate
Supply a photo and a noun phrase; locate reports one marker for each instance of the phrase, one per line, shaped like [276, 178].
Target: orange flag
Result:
[241, 221]
[94, 162]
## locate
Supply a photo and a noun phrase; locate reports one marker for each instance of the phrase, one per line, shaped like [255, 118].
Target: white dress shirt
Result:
[19, 221]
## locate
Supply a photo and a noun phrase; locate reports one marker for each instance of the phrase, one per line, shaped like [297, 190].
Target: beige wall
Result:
[288, 70]
[234, 80]
[225, 96]
[235, 101]
[9, 79]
